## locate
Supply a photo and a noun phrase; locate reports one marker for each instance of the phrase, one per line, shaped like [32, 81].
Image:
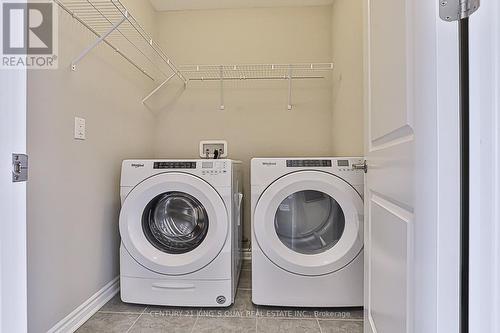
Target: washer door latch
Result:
[362, 166]
[19, 168]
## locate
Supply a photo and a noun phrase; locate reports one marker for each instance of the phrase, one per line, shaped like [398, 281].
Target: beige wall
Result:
[256, 122]
[347, 52]
[73, 192]
[73, 199]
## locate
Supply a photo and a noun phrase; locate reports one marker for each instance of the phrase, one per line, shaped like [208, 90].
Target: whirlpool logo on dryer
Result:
[137, 165]
[269, 163]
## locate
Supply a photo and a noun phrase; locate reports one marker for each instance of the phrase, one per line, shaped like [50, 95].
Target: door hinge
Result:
[454, 10]
[19, 168]
[361, 166]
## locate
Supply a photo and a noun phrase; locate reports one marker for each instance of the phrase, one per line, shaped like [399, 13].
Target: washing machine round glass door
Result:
[174, 223]
[310, 223]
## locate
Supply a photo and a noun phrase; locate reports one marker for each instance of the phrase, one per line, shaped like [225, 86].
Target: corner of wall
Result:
[73, 193]
[348, 86]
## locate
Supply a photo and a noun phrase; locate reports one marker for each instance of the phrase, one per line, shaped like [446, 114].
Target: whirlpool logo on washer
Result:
[137, 165]
[269, 164]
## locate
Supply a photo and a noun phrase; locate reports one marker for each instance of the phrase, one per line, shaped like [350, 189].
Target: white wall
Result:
[73, 196]
[347, 54]
[73, 192]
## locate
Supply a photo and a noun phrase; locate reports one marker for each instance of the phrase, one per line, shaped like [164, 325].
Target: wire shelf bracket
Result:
[289, 78]
[115, 26]
[157, 88]
[98, 41]
[222, 107]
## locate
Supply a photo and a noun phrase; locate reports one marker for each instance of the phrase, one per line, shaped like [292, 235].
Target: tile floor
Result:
[243, 316]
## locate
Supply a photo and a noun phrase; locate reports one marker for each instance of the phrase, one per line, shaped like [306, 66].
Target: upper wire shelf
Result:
[255, 71]
[223, 73]
[114, 25]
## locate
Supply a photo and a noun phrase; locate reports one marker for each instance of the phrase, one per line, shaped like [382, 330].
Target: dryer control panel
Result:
[309, 163]
[267, 170]
[341, 165]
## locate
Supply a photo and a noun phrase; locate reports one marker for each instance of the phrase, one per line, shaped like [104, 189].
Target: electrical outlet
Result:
[207, 148]
[80, 129]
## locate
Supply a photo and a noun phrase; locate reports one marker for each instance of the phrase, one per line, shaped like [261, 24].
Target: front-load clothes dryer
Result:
[307, 232]
[180, 225]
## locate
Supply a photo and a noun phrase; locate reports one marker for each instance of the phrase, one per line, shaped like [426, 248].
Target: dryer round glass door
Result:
[309, 223]
[174, 223]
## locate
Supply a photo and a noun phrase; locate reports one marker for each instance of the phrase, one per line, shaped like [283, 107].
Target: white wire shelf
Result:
[255, 71]
[114, 25]
[288, 72]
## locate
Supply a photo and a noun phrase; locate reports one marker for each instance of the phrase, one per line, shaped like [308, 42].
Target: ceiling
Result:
[162, 5]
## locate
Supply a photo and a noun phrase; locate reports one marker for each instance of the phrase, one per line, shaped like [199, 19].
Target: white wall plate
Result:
[208, 147]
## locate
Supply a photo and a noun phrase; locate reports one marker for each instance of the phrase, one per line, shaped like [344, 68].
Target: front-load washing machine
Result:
[180, 225]
[307, 232]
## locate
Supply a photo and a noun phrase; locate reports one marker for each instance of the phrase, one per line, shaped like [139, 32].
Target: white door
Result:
[310, 223]
[411, 147]
[174, 223]
[13, 303]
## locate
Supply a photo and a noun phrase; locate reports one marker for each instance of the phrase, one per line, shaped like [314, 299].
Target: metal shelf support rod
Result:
[222, 106]
[157, 88]
[67, 10]
[98, 41]
[290, 88]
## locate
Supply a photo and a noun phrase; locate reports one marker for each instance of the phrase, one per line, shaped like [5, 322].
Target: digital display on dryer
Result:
[308, 163]
[174, 165]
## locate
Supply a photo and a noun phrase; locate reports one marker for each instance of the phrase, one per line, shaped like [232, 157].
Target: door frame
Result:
[13, 254]
[448, 260]
[484, 296]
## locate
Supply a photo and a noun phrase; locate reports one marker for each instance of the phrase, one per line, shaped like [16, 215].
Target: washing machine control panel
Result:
[207, 167]
[214, 168]
[174, 165]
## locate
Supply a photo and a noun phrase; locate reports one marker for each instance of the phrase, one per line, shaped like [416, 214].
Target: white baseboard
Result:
[82, 313]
